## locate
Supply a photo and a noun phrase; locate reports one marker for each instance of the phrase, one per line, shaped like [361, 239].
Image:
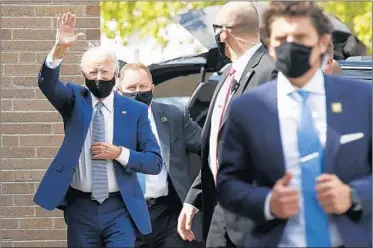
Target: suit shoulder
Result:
[256, 95]
[351, 86]
[171, 109]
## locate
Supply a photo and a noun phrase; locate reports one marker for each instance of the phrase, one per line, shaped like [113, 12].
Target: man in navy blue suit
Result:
[297, 151]
[108, 139]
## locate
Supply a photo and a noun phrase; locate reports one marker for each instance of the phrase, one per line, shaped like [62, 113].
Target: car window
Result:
[358, 74]
[177, 90]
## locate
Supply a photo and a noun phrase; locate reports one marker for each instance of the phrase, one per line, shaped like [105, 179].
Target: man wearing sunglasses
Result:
[237, 36]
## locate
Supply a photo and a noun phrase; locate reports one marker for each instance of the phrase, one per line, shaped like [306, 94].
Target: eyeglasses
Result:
[218, 28]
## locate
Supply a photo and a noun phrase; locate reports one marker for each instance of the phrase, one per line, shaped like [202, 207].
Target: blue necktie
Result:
[100, 188]
[311, 155]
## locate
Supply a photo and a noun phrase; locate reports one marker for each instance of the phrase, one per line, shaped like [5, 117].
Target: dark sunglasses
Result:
[218, 28]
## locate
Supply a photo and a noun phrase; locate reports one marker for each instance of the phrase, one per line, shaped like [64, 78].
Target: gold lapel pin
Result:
[124, 112]
[164, 119]
[337, 107]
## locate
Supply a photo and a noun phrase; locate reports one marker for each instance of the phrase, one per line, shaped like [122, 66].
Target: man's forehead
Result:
[131, 77]
[98, 62]
[287, 25]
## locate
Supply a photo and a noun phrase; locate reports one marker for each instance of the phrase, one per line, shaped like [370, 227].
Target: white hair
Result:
[101, 52]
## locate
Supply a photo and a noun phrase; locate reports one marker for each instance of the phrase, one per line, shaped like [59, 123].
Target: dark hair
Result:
[309, 9]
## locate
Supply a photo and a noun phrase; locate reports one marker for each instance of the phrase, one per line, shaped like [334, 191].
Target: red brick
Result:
[25, 81]
[6, 105]
[25, 22]
[16, 211]
[17, 188]
[93, 10]
[6, 80]
[6, 200]
[37, 243]
[6, 176]
[10, 141]
[33, 175]
[69, 57]
[25, 163]
[24, 200]
[17, 10]
[27, 57]
[44, 213]
[46, 152]
[21, 69]
[93, 34]
[41, 140]
[58, 128]
[9, 223]
[34, 234]
[35, 223]
[26, 128]
[59, 223]
[6, 34]
[59, 10]
[38, 46]
[18, 152]
[37, 105]
[44, 116]
[9, 57]
[7, 93]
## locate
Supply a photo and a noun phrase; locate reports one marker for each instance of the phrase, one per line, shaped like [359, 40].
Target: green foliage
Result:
[356, 15]
[144, 18]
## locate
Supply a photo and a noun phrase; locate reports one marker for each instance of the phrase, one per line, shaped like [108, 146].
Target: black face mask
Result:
[293, 59]
[141, 96]
[221, 48]
[100, 88]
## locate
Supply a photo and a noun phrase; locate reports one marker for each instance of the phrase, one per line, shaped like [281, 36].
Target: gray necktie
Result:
[100, 189]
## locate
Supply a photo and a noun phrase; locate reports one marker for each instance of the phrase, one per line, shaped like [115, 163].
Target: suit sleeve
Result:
[147, 158]
[194, 196]
[235, 189]
[192, 134]
[58, 94]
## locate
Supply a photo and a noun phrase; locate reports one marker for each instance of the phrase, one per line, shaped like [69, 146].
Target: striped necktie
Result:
[100, 188]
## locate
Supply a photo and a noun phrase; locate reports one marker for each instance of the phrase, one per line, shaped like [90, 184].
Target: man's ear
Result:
[153, 87]
[324, 42]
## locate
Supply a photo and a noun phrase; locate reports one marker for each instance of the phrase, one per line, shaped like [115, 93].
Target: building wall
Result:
[31, 129]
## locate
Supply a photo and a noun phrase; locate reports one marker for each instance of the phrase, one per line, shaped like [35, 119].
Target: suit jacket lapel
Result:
[272, 134]
[121, 117]
[332, 95]
[163, 130]
[246, 77]
[88, 110]
[206, 128]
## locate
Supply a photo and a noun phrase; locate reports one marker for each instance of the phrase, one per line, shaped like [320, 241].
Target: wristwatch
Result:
[355, 200]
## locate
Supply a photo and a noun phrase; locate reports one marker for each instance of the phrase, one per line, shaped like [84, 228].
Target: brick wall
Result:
[31, 130]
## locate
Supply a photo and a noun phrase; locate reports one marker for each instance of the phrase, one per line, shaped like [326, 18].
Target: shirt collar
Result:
[314, 85]
[242, 62]
[108, 102]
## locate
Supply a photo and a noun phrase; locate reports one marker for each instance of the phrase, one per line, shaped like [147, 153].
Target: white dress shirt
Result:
[218, 109]
[82, 178]
[156, 185]
[289, 114]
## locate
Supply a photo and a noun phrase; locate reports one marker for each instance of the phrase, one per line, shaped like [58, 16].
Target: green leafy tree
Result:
[356, 15]
[144, 18]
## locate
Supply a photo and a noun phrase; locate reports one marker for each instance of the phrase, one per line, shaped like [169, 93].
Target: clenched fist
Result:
[333, 195]
[284, 202]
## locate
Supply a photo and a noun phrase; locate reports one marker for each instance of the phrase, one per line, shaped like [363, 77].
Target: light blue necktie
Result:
[100, 188]
[316, 220]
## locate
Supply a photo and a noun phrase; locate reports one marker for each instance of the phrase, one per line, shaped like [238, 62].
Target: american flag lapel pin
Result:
[337, 107]
[124, 112]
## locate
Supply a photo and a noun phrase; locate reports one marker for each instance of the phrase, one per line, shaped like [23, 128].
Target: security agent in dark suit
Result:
[177, 136]
[237, 35]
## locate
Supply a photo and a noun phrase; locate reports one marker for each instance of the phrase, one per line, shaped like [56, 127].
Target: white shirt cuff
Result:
[267, 208]
[124, 156]
[187, 204]
[52, 64]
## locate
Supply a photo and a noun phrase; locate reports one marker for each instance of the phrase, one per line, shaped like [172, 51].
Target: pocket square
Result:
[347, 138]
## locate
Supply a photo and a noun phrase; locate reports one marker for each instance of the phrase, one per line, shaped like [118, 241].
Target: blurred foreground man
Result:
[177, 136]
[237, 35]
[303, 172]
[108, 138]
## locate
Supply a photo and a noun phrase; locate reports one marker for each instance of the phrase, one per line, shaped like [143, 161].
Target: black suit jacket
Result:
[178, 136]
[260, 69]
